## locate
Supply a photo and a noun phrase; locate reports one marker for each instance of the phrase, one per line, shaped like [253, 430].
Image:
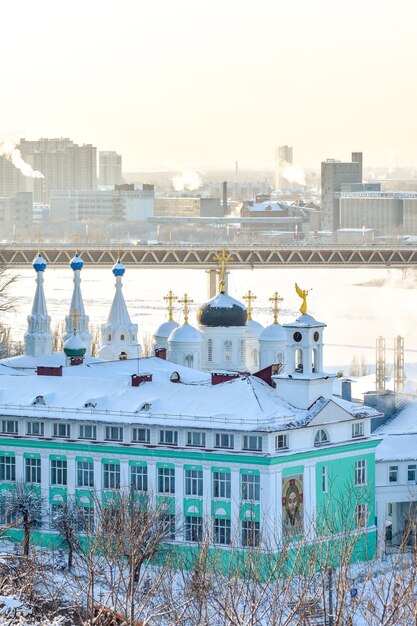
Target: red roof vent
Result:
[161, 353]
[267, 373]
[41, 370]
[217, 378]
[137, 379]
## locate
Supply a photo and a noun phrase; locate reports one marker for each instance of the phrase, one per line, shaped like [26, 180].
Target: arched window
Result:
[314, 361]
[321, 437]
[122, 356]
[227, 350]
[298, 361]
[280, 357]
[122, 337]
[109, 337]
[189, 360]
[210, 350]
[242, 350]
[255, 357]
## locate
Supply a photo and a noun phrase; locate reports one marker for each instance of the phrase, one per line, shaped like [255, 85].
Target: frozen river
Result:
[356, 304]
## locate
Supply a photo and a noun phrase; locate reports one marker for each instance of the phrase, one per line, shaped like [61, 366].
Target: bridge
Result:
[202, 256]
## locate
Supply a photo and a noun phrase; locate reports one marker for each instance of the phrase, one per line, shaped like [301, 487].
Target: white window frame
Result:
[85, 474]
[196, 439]
[166, 480]
[319, 440]
[193, 482]
[250, 487]
[360, 472]
[413, 468]
[222, 485]
[168, 437]
[250, 529]
[113, 433]
[222, 531]
[224, 440]
[361, 515]
[284, 439]
[32, 426]
[111, 475]
[83, 434]
[358, 429]
[393, 470]
[59, 472]
[7, 468]
[33, 470]
[64, 427]
[139, 478]
[193, 528]
[252, 443]
[146, 438]
[9, 427]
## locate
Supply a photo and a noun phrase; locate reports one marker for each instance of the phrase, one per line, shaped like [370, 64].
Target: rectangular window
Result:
[114, 433]
[86, 519]
[6, 518]
[58, 472]
[221, 485]
[360, 472]
[139, 478]
[62, 430]
[251, 487]
[221, 531]
[196, 439]
[250, 533]
[193, 528]
[141, 435]
[281, 442]
[111, 475]
[166, 480]
[56, 509]
[7, 468]
[411, 473]
[357, 429]
[88, 431]
[9, 427]
[168, 523]
[324, 479]
[193, 482]
[252, 442]
[224, 440]
[361, 513]
[33, 471]
[393, 474]
[36, 429]
[85, 474]
[168, 437]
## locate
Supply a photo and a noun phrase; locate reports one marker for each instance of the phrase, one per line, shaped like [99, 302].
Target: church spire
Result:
[119, 334]
[38, 338]
[77, 305]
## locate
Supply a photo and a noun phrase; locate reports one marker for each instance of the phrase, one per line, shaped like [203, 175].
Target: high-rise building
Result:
[283, 158]
[333, 175]
[64, 165]
[110, 168]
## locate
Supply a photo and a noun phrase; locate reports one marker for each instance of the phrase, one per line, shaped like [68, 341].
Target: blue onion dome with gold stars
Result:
[39, 264]
[118, 268]
[76, 262]
[222, 310]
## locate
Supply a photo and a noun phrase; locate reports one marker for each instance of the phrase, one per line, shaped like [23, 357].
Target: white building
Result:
[110, 168]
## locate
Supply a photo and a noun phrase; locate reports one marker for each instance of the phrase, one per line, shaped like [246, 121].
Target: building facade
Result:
[333, 174]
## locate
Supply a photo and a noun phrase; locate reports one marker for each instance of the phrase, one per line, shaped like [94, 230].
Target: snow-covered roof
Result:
[244, 403]
[305, 321]
[26, 361]
[165, 329]
[253, 329]
[274, 332]
[185, 334]
[399, 433]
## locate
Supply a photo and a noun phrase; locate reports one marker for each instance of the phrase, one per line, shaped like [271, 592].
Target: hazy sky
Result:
[188, 83]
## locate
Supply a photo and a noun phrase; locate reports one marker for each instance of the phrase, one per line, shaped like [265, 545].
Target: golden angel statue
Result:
[303, 293]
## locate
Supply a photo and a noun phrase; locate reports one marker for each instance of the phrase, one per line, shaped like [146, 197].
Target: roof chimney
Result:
[161, 353]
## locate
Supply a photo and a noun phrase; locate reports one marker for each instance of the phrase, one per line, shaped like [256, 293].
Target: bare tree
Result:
[68, 521]
[24, 505]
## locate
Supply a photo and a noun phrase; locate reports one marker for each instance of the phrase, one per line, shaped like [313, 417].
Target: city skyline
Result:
[177, 86]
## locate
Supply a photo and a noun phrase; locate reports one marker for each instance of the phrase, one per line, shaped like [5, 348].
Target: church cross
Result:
[276, 299]
[249, 297]
[170, 298]
[222, 259]
[186, 301]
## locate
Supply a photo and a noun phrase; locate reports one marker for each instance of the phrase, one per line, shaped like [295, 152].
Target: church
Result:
[232, 426]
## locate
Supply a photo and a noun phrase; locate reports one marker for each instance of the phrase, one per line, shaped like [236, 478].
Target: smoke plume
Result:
[293, 173]
[187, 180]
[12, 152]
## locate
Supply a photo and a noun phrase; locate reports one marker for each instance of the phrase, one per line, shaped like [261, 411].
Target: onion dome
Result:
[253, 329]
[75, 346]
[118, 268]
[185, 334]
[222, 310]
[165, 329]
[274, 332]
[39, 264]
[76, 262]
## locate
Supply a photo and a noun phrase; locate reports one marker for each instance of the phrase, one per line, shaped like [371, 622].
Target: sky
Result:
[204, 83]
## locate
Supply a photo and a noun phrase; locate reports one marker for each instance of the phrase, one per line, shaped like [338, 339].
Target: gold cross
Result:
[249, 297]
[222, 259]
[75, 317]
[170, 298]
[186, 301]
[276, 299]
